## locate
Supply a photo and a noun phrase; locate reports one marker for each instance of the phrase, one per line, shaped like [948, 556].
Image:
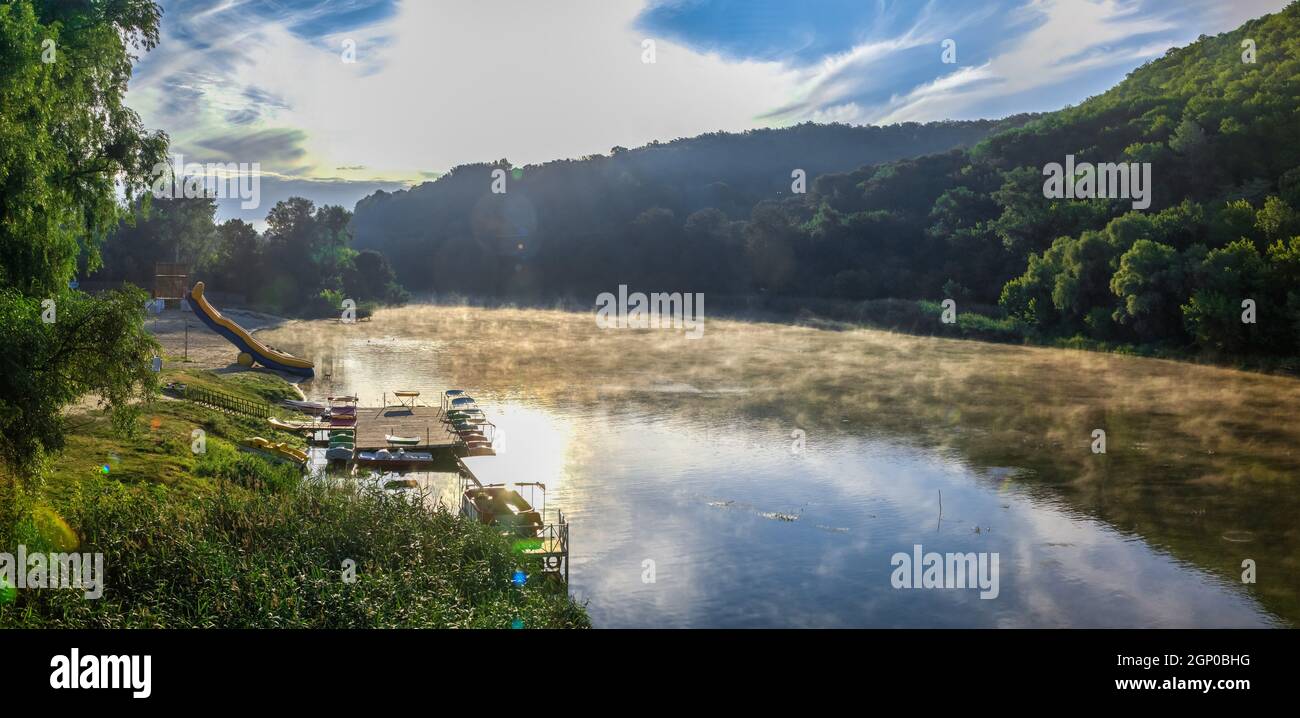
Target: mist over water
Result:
[770, 472]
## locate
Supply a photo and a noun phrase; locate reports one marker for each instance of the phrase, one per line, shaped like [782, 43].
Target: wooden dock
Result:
[373, 424]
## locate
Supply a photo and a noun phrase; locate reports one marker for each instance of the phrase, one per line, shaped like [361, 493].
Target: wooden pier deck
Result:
[373, 424]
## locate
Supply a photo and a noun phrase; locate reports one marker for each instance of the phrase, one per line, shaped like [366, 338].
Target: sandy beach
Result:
[204, 348]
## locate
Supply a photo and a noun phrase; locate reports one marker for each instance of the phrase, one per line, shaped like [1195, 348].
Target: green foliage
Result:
[95, 345]
[275, 559]
[370, 278]
[568, 226]
[1226, 278]
[65, 140]
[65, 135]
[1149, 279]
[225, 463]
[304, 263]
[162, 230]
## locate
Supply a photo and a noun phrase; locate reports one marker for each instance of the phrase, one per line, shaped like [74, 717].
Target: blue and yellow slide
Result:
[237, 335]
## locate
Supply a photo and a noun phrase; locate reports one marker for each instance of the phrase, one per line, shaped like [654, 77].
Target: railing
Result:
[228, 402]
[555, 543]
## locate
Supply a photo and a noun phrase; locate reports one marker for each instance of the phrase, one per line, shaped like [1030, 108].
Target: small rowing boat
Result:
[296, 425]
[402, 440]
[400, 457]
[306, 407]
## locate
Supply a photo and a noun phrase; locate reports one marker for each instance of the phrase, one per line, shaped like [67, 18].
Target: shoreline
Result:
[908, 317]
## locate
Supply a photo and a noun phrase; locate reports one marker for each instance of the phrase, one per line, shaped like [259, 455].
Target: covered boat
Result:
[499, 506]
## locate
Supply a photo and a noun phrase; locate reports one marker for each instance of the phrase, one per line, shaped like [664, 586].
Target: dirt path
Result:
[205, 348]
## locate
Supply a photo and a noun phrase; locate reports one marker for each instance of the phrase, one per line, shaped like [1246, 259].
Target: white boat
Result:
[384, 456]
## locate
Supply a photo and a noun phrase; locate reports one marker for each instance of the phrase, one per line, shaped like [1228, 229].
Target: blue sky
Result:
[437, 83]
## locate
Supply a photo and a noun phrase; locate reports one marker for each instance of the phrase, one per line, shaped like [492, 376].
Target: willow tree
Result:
[72, 156]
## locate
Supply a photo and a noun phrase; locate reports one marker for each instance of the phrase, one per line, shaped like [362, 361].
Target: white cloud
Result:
[1070, 38]
[444, 82]
[451, 83]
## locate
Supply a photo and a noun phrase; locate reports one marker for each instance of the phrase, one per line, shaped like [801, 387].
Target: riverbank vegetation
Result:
[93, 459]
[226, 538]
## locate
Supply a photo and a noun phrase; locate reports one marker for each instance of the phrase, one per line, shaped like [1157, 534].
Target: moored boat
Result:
[394, 458]
[294, 425]
[279, 449]
[499, 506]
[314, 408]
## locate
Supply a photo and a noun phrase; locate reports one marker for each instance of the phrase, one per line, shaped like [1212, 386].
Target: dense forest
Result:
[1218, 125]
[303, 263]
[661, 213]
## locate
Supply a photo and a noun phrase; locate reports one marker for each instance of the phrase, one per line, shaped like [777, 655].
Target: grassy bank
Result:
[224, 538]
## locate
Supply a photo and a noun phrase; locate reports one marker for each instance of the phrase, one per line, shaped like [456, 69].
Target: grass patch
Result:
[226, 538]
[239, 558]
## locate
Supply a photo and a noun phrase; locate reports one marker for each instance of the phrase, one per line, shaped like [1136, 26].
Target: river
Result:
[773, 475]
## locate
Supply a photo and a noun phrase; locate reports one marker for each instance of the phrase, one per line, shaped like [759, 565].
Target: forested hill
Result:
[1208, 258]
[593, 202]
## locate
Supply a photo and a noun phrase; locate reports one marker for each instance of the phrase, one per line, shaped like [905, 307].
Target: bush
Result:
[247, 559]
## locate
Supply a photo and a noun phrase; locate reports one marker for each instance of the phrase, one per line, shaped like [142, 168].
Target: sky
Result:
[433, 84]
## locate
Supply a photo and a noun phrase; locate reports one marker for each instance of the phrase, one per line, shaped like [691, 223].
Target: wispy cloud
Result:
[438, 83]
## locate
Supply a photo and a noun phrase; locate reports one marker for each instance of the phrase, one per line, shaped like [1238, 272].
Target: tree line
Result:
[302, 263]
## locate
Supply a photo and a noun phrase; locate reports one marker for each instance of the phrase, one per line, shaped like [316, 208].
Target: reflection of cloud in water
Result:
[638, 432]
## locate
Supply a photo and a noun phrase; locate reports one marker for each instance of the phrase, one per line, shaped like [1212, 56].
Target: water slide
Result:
[237, 335]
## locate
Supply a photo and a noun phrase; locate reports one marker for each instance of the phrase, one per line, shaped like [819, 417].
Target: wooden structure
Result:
[227, 402]
[375, 424]
[170, 280]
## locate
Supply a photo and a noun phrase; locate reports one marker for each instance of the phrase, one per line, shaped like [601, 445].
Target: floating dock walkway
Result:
[375, 424]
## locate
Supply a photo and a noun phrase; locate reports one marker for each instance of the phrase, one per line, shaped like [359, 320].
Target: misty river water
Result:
[766, 475]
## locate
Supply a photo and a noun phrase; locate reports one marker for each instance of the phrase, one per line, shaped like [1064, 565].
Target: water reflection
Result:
[691, 465]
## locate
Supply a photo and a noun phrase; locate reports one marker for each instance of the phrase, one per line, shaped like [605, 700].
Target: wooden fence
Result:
[228, 402]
